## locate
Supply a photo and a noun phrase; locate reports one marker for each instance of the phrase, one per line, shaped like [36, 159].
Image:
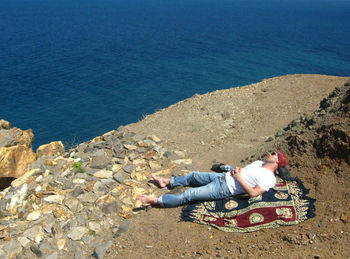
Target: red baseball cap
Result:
[282, 159]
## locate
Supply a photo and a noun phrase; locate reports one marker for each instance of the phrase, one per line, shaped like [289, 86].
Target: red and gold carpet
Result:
[286, 204]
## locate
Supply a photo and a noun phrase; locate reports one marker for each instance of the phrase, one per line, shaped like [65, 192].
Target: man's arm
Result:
[253, 192]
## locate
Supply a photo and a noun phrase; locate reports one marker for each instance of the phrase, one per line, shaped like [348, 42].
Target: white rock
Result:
[95, 226]
[183, 161]
[38, 188]
[77, 160]
[39, 178]
[155, 138]
[79, 181]
[34, 215]
[54, 199]
[103, 174]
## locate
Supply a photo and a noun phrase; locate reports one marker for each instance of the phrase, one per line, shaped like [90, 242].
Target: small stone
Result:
[36, 250]
[79, 181]
[119, 177]
[39, 178]
[54, 199]
[77, 191]
[100, 161]
[34, 215]
[77, 233]
[47, 226]
[35, 234]
[129, 168]
[155, 138]
[130, 147]
[116, 167]
[103, 174]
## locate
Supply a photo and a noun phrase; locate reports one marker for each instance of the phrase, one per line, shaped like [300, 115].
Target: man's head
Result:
[277, 157]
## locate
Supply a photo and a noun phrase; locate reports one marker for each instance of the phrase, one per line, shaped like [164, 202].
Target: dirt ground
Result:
[228, 126]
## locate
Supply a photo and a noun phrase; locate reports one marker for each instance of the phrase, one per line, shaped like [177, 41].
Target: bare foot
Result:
[148, 199]
[163, 182]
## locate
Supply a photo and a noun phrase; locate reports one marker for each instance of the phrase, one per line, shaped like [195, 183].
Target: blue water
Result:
[72, 70]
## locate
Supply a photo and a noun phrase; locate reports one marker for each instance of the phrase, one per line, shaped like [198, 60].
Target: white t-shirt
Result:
[254, 174]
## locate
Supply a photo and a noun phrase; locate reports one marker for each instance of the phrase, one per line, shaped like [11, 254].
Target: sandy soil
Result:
[228, 126]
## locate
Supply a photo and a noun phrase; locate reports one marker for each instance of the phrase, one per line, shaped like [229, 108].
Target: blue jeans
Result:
[209, 186]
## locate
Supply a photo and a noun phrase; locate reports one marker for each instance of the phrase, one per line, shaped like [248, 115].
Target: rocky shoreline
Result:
[74, 203]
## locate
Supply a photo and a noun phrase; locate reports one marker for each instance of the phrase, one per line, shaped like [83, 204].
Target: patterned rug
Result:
[286, 204]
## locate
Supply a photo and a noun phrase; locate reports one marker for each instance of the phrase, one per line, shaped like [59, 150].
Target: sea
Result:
[71, 70]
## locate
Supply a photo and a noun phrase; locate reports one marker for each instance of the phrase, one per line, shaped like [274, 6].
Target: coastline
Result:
[91, 190]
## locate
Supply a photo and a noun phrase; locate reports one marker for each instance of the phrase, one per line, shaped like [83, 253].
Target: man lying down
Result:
[254, 179]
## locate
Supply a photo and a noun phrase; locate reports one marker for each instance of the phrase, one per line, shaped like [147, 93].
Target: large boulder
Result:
[15, 161]
[15, 136]
[52, 149]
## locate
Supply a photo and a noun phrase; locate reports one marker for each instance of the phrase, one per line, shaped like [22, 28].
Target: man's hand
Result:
[252, 191]
[237, 173]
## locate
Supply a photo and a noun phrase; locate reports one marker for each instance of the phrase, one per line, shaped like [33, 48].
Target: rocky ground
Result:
[82, 202]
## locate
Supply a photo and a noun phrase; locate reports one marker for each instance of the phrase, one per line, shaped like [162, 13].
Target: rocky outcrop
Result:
[75, 204]
[15, 161]
[14, 136]
[16, 152]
